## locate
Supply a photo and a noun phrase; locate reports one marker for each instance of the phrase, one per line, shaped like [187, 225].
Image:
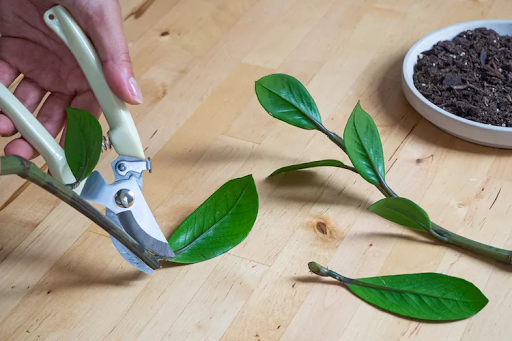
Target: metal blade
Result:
[90, 192]
[129, 256]
[93, 187]
[126, 167]
[141, 224]
[136, 232]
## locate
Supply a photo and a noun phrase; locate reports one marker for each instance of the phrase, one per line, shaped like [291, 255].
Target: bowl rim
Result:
[409, 81]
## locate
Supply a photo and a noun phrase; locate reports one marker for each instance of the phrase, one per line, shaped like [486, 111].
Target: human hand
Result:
[29, 47]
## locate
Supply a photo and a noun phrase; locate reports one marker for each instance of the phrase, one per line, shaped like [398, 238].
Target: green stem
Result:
[332, 136]
[501, 255]
[387, 190]
[319, 270]
[350, 168]
[15, 165]
[438, 232]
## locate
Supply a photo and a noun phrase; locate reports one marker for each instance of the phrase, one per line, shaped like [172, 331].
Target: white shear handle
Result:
[34, 132]
[123, 133]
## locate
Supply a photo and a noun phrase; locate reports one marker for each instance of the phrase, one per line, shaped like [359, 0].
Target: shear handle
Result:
[34, 132]
[123, 133]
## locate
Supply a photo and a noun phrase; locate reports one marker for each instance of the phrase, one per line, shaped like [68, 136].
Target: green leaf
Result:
[363, 145]
[426, 296]
[404, 212]
[83, 142]
[320, 163]
[286, 99]
[219, 224]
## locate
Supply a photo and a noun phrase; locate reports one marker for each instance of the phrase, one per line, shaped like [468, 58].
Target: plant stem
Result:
[332, 136]
[438, 232]
[319, 270]
[350, 168]
[10, 165]
[501, 255]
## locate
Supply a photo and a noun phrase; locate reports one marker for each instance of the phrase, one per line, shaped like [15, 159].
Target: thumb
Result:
[102, 22]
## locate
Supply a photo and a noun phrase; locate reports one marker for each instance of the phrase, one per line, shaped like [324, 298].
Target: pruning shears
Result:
[124, 202]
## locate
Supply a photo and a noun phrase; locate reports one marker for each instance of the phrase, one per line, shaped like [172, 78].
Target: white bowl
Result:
[484, 134]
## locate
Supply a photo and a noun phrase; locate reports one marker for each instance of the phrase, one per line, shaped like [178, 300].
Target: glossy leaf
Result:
[314, 164]
[219, 224]
[402, 211]
[83, 142]
[426, 296]
[363, 146]
[286, 99]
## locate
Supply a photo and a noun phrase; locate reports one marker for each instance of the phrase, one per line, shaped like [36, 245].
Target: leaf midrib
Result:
[183, 249]
[403, 215]
[379, 287]
[295, 106]
[380, 178]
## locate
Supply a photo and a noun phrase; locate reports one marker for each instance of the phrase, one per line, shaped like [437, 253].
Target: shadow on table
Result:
[215, 154]
[425, 239]
[309, 186]
[390, 235]
[66, 276]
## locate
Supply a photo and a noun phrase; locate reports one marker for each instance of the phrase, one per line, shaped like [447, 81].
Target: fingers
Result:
[22, 148]
[87, 102]
[52, 116]
[103, 23]
[30, 95]
[6, 126]
[8, 74]
[53, 113]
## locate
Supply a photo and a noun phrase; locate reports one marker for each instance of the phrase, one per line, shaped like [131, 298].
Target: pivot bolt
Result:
[124, 198]
[121, 167]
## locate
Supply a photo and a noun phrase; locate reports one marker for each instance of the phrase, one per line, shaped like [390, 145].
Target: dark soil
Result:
[469, 76]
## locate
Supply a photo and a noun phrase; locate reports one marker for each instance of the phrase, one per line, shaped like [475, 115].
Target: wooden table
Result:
[197, 61]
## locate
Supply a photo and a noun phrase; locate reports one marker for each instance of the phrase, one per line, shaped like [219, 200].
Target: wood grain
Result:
[197, 61]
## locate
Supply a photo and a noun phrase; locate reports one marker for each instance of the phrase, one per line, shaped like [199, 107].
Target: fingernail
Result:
[135, 91]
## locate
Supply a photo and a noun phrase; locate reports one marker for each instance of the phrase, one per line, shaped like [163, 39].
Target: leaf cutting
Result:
[423, 296]
[219, 224]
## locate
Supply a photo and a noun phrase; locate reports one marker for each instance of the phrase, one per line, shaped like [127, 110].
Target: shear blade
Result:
[136, 232]
[129, 256]
[137, 221]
